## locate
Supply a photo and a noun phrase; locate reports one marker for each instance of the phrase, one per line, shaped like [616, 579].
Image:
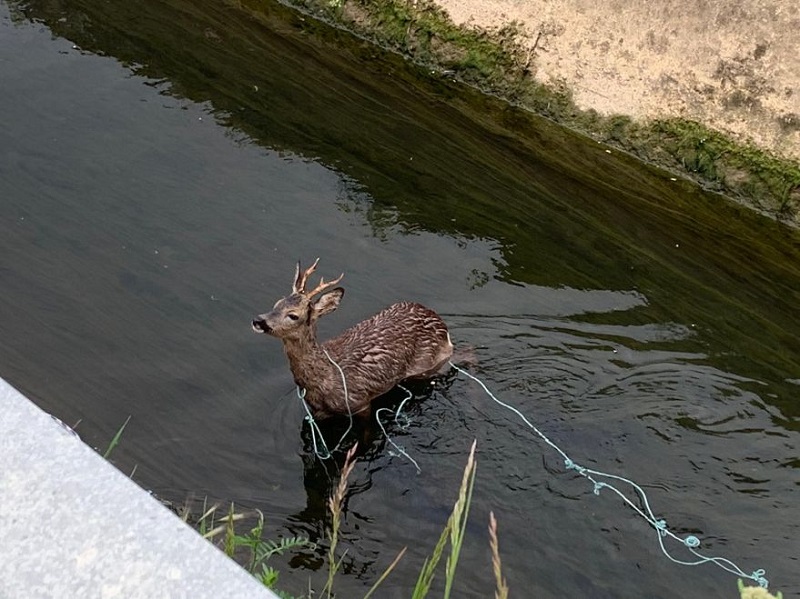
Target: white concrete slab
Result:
[74, 526]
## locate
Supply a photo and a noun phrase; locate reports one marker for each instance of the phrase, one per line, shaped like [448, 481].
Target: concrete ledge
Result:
[75, 526]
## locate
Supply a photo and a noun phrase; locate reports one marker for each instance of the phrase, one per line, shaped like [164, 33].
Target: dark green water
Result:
[163, 165]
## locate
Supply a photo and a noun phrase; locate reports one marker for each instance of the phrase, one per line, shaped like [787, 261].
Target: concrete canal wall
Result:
[75, 526]
[733, 65]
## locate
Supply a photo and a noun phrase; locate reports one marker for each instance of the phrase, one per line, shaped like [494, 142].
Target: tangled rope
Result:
[318, 440]
[326, 453]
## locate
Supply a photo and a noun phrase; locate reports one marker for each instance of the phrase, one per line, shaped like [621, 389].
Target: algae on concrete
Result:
[496, 61]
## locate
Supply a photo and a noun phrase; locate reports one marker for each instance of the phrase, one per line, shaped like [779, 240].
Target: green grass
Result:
[771, 182]
[211, 526]
[448, 546]
[221, 530]
[453, 532]
[115, 440]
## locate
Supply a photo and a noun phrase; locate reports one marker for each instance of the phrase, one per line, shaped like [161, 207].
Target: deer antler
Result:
[300, 281]
[299, 285]
[323, 286]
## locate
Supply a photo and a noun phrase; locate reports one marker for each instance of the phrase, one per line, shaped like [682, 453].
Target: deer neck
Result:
[309, 364]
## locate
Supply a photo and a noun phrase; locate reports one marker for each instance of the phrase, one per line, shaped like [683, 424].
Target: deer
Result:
[344, 374]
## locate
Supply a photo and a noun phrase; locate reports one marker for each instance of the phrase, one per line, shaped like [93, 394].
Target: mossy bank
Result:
[503, 61]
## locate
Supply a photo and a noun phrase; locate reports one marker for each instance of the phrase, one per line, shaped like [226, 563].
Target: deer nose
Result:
[260, 325]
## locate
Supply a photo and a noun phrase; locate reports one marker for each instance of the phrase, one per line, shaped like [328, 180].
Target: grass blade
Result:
[501, 591]
[117, 437]
[229, 545]
[453, 531]
[459, 521]
[386, 573]
[335, 505]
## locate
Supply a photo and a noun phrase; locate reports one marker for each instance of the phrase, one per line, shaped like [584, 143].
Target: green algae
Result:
[496, 62]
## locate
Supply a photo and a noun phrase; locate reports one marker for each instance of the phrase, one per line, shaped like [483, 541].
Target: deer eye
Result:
[291, 316]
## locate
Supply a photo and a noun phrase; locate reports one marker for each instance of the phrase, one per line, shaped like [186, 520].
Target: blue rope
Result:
[325, 453]
[405, 425]
[301, 394]
[691, 542]
[315, 430]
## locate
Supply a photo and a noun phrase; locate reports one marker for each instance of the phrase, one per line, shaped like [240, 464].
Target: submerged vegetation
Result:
[497, 62]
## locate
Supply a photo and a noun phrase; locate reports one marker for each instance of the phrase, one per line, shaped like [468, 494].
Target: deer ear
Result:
[328, 302]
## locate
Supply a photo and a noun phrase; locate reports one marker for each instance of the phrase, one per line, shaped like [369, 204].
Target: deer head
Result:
[295, 315]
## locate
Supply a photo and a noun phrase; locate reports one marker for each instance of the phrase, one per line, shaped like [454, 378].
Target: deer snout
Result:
[260, 325]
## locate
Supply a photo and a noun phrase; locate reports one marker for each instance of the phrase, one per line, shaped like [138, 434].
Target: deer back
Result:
[404, 341]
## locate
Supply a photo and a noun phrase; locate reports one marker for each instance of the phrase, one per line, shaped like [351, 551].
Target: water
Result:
[159, 178]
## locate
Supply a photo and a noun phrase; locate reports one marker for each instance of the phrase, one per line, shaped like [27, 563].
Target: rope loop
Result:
[758, 576]
[691, 541]
[398, 414]
[661, 527]
[321, 449]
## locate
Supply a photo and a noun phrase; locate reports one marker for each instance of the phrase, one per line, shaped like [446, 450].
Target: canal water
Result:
[163, 167]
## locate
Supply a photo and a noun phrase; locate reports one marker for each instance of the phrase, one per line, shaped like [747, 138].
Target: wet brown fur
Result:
[404, 341]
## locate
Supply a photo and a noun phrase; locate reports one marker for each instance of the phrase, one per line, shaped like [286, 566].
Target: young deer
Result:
[404, 341]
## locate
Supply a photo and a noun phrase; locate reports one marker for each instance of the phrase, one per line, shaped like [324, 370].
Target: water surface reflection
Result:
[622, 312]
